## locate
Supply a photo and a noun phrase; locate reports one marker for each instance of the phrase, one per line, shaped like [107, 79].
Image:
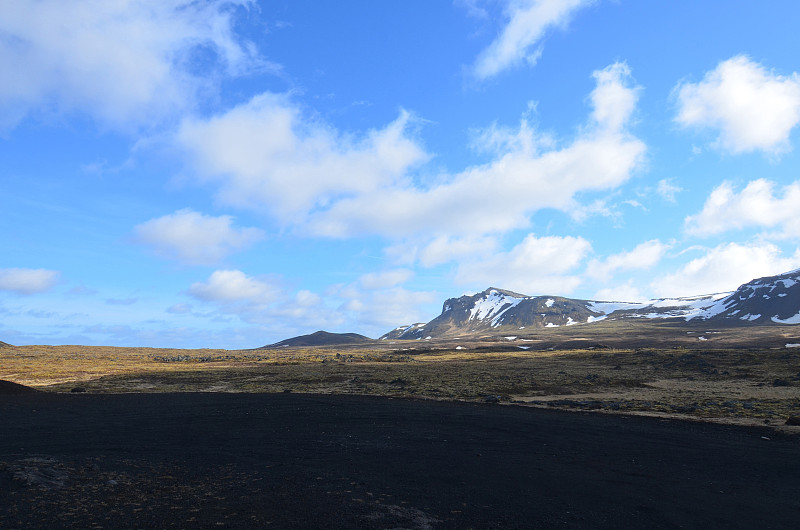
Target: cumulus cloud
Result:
[382, 309]
[500, 195]
[667, 190]
[537, 265]
[27, 281]
[521, 37]
[757, 205]
[262, 301]
[643, 256]
[724, 268]
[751, 107]
[371, 304]
[444, 249]
[267, 154]
[195, 238]
[232, 286]
[626, 292]
[124, 63]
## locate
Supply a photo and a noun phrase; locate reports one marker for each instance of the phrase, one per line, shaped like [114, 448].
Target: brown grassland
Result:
[737, 375]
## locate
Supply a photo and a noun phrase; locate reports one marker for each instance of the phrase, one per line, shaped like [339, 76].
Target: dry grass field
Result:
[707, 379]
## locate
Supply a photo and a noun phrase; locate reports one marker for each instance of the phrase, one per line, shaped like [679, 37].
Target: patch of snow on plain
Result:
[510, 338]
[701, 338]
[793, 345]
[570, 322]
[459, 347]
[596, 319]
[549, 302]
[428, 337]
[551, 325]
[524, 347]
[791, 320]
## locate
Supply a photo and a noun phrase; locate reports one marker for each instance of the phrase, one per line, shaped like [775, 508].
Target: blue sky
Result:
[231, 173]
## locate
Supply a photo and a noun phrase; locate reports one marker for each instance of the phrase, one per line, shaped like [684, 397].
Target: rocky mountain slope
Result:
[769, 300]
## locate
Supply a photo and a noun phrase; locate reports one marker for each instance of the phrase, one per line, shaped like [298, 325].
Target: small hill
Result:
[322, 338]
[8, 388]
[3, 344]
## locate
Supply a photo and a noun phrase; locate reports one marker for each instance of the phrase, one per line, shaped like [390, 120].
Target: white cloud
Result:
[724, 268]
[382, 280]
[27, 281]
[180, 309]
[520, 39]
[267, 155]
[371, 305]
[195, 238]
[643, 256]
[534, 266]
[380, 310]
[613, 101]
[124, 63]
[444, 249]
[473, 8]
[756, 205]
[305, 298]
[667, 190]
[626, 292]
[751, 107]
[233, 286]
[500, 195]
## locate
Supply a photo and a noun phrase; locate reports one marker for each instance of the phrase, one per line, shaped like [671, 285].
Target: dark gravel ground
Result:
[311, 461]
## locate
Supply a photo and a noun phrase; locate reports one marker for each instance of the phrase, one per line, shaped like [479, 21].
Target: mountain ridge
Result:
[769, 300]
[766, 300]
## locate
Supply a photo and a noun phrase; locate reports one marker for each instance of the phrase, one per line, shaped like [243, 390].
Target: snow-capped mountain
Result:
[773, 299]
[497, 308]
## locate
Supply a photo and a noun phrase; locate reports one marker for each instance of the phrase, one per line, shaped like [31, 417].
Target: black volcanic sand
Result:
[308, 461]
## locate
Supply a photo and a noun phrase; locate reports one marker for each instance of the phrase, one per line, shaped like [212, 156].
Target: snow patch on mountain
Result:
[688, 307]
[493, 306]
[791, 320]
